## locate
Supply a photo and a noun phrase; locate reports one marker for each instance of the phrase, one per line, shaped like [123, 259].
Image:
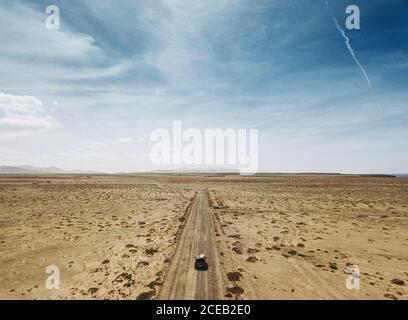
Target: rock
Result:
[125, 279]
[390, 296]
[151, 251]
[235, 290]
[234, 276]
[252, 259]
[333, 266]
[237, 250]
[398, 282]
[146, 295]
[93, 290]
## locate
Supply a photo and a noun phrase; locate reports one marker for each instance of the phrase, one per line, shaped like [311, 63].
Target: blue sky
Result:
[88, 95]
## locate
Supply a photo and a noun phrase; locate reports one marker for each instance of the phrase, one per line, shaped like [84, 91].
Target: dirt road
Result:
[183, 281]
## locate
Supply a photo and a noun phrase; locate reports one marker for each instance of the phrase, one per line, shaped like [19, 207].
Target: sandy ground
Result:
[293, 237]
[111, 237]
[280, 237]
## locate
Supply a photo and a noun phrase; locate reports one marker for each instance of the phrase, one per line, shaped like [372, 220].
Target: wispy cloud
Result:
[23, 26]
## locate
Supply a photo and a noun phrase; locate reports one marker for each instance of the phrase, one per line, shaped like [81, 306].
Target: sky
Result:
[87, 96]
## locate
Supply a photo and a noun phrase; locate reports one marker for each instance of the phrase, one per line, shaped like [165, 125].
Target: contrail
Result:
[350, 49]
[348, 45]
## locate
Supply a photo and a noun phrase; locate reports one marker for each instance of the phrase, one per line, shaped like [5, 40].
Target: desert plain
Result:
[267, 237]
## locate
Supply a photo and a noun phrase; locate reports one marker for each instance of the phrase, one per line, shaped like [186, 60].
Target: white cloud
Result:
[96, 145]
[124, 140]
[22, 115]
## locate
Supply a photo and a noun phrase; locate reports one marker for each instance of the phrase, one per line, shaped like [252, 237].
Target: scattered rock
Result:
[237, 247]
[146, 295]
[125, 279]
[237, 290]
[292, 252]
[154, 283]
[398, 282]
[93, 290]
[151, 251]
[390, 296]
[234, 276]
[333, 265]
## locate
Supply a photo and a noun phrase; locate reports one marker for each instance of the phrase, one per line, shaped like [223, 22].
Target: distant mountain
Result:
[11, 169]
[38, 170]
[43, 169]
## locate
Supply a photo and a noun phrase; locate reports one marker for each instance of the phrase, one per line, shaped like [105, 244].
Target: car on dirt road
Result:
[201, 263]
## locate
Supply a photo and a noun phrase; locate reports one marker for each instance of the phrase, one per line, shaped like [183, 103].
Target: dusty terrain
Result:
[274, 237]
[111, 237]
[293, 237]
